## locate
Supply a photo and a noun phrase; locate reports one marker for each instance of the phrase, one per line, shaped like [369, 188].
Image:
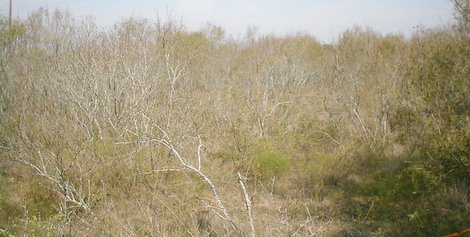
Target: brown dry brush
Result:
[146, 129]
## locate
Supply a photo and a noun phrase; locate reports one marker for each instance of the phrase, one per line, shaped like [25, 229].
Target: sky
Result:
[324, 20]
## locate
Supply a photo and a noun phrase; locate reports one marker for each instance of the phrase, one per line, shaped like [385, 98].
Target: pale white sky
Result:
[323, 19]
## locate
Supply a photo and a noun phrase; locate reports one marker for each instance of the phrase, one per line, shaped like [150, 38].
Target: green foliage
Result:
[397, 197]
[449, 160]
[42, 201]
[9, 212]
[440, 106]
[438, 72]
[7, 34]
[422, 193]
[269, 162]
[316, 173]
[39, 226]
[26, 199]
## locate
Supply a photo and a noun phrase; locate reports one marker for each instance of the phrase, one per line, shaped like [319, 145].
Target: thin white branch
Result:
[199, 154]
[206, 179]
[247, 204]
[161, 170]
[330, 137]
[275, 107]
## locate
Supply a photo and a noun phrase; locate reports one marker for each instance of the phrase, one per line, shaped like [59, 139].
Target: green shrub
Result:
[270, 162]
[398, 197]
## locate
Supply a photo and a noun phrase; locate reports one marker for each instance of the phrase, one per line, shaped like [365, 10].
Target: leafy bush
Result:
[438, 75]
[269, 162]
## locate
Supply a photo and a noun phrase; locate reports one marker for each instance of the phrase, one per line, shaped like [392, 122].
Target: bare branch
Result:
[247, 203]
